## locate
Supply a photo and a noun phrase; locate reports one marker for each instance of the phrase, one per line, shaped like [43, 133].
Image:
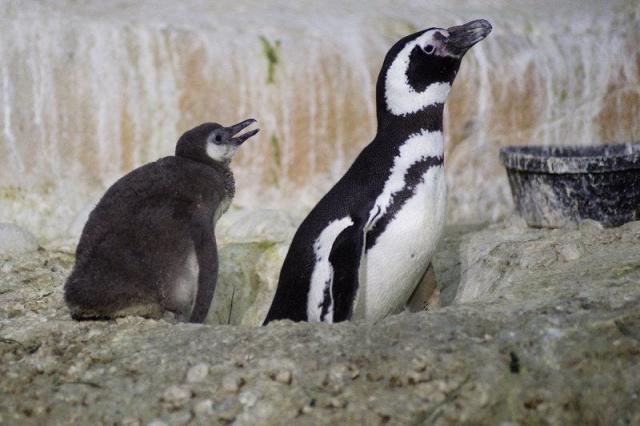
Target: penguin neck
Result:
[429, 117]
[199, 156]
[221, 167]
[400, 127]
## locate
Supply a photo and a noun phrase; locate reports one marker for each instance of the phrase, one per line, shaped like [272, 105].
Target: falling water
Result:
[90, 90]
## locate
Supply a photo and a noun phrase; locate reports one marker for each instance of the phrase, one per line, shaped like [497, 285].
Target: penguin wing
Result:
[345, 257]
[206, 249]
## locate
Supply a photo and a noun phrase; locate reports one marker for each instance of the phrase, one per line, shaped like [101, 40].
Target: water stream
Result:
[91, 89]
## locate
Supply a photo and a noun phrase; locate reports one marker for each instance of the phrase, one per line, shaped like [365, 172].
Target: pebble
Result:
[355, 373]
[248, 398]
[197, 373]
[339, 373]
[176, 396]
[438, 396]
[203, 408]
[414, 377]
[569, 252]
[337, 402]
[228, 410]
[157, 422]
[419, 364]
[93, 332]
[130, 421]
[374, 376]
[232, 383]
[77, 369]
[179, 418]
[46, 365]
[283, 376]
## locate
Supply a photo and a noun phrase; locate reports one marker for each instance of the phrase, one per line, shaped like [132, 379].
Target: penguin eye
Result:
[429, 48]
[218, 138]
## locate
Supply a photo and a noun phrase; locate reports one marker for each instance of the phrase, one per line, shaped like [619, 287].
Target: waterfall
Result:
[90, 90]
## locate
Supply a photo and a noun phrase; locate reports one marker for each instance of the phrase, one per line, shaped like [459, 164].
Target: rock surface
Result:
[15, 240]
[537, 327]
[252, 246]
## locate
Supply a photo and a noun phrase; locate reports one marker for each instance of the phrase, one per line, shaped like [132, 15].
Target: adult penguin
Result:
[363, 249]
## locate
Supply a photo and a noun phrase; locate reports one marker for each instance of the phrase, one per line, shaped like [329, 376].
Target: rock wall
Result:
[90, 90]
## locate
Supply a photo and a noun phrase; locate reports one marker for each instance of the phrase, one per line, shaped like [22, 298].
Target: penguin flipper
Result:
[207, 255]
[345, 257]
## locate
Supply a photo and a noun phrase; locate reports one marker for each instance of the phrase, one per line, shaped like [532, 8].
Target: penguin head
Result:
[419, 69]
[212, 142]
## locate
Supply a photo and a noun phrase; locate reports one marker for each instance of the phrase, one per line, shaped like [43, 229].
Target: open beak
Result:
[462, 37]
[236, 128]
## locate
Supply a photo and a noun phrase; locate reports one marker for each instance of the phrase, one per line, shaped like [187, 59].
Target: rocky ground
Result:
[535, 327]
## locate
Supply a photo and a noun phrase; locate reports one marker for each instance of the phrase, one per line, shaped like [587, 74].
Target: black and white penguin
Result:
[149, 246]
[365, 246]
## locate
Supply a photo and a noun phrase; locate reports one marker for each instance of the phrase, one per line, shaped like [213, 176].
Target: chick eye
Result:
[429, 48]
[218, 138]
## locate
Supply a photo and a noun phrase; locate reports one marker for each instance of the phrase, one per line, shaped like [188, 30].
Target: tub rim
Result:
[575, 159]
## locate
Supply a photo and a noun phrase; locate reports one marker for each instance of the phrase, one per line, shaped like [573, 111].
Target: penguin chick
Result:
[149, 246]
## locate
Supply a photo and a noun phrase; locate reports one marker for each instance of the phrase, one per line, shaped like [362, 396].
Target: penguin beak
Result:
[462, 37]
[238, 140]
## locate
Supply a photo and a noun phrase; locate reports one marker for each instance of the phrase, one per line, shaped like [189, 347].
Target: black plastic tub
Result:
[555, 186]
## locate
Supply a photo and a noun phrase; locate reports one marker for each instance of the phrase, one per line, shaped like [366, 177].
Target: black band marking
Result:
[326, 301]
[412, 178]
[425, 70]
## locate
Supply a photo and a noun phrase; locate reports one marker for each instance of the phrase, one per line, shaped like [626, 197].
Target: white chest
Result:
[181, 293]
[394, 265]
